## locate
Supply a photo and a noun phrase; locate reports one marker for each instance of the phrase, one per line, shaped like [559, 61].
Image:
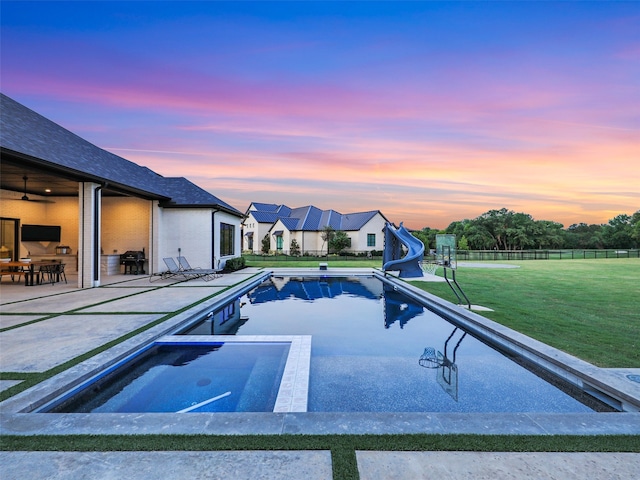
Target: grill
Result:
[133, 261]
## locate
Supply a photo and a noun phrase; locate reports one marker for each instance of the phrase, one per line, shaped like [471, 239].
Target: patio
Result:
[46, 326]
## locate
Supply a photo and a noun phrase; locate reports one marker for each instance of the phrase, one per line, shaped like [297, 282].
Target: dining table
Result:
[31, 270]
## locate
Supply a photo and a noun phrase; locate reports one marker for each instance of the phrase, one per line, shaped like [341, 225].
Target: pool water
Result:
[377, 350]
[223, 377]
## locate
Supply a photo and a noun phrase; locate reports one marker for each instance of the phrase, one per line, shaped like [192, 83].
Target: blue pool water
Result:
[377, 350]
[224, 377]
[373, 349]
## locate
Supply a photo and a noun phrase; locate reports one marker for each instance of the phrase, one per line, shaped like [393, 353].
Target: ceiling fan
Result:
[26, 198]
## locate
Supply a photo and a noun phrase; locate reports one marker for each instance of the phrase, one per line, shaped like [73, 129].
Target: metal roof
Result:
[264, 217]
[310, 218]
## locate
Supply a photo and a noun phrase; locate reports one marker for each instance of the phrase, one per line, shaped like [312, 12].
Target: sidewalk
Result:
[57, 323]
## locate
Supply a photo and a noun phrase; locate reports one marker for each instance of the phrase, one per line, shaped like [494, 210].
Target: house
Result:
[281, 225]
[258, 220]
[103, 205]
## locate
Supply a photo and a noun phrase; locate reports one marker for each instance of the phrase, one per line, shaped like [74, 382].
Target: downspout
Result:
[96, 237]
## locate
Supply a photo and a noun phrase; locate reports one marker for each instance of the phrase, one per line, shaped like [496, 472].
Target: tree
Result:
[266, 244]
[427, 236]
[495, 224]
[550, 234]
[294, 249]
[507, 230]
[635, 228]
[618, 233]
[339, 242]
[327, 235]
[582, 235]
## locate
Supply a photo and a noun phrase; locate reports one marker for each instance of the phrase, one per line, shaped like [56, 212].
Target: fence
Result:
[462, 255]
[314, 255]
[566, 254]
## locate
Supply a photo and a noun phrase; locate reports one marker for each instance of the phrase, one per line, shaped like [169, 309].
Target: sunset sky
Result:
[430, 112]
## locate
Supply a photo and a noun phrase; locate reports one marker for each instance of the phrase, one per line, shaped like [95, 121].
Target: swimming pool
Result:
[375, 349]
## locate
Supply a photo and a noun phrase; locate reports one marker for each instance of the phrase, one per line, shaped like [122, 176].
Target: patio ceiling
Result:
[12, 173]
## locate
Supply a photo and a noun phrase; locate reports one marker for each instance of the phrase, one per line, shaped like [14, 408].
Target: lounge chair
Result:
[186, 267]
[175, 271]
[172, 266]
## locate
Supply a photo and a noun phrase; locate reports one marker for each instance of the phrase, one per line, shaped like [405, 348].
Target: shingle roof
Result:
[28, 133]
[184, 193]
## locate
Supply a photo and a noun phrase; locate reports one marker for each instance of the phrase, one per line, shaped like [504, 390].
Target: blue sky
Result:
[428, 111]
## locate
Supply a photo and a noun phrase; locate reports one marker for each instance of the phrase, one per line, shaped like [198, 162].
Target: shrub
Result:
[266, 244]
[233, 264]
[295, 248]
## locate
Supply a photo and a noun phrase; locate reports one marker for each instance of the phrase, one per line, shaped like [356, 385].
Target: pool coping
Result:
[16, 417]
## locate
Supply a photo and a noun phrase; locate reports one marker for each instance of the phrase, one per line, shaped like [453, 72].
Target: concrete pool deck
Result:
[45, 326]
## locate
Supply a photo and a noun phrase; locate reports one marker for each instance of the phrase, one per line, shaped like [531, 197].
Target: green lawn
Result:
[588, 308]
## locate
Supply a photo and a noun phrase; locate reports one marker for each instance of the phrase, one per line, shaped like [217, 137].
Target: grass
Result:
[588, 308]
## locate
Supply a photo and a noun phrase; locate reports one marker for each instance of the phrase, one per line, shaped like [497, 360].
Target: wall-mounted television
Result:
[40, 233]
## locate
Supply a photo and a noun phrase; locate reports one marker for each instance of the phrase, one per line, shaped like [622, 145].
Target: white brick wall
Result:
[125, 224]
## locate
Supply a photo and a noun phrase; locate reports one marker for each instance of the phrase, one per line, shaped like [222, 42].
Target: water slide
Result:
[393, 259]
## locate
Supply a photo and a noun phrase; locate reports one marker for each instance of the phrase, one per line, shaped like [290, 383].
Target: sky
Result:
[431, 112]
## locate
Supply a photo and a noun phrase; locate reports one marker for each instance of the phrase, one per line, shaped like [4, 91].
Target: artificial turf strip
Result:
[390, 442]
[343, 447]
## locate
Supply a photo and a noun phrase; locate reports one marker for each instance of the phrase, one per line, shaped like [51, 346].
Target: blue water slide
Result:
[392, 259]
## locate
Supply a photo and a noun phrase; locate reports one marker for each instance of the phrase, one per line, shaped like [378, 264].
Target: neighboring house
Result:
[281, 225]
[104, 204]
[258, 220]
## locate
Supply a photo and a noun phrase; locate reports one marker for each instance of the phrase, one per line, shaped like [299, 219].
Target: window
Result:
[371, 239]
[227, 233]
[279, 242]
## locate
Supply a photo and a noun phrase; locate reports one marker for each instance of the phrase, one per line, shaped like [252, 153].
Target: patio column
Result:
[90, 203]
[155, 239]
